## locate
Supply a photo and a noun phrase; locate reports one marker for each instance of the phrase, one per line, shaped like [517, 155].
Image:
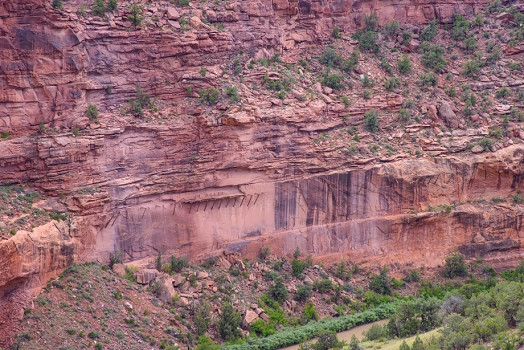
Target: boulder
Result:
[172, 13]
[80, 123]
[477, 149]
[249, 318]
[178, 280]
[167, 292]
[224, 264]
[128, 305]
[447, 114]
[182, 302]
[432, 113]
[119, 269]
[195, 22]
[264, 316]
[202, 275]
[146, 276]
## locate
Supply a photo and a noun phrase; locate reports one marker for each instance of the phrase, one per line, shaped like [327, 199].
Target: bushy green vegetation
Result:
[433, 57]
[404, 64]
[367, 38]
[455, 265]
[209, 97]
[229, 323]
[294, 335]
[141, 101]
[460, 28]
[57, 4]
[371, 121]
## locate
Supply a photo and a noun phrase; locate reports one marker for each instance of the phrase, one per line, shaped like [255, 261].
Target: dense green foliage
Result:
[229, 323]
[371, 121]
[381, 283]
[455, 266]
[433, 57]
[294, 335]
[404, 64]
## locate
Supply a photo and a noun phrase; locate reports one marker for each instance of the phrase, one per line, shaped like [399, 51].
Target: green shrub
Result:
[433, 57]
[142, 101]
[93, 335]
[349, 64]
[429, 32]
[204, 343]
[333, 81]
[323, 286]
[262, 329]
[136, 15]
[115, 258]
[376, 332]
[330, 57]
[5, 134]
[404, 64]
[381, 283]
[92, 112]
[404, 115]
[229, 323]
[367, 82]
[112, 5]
[371, 22]
[472, 68]
[290, 336]
[371, 122]
[428, 79]
[515, 66]
[502, 93]
[455, 266]
[391, 28]
[99, 8]
[297, 267]
[303, 292]
[178, 264]
[384, 64]
[232, 93]
[335, 33]
[202, 317]
[264, 252]
[309, 312]
[486, 144]
[407, 36]
[470, 43]
[392, 83]
[496, 132]
[366, 94]
[368, 41]
[57, 4]
[494, 6]
[460, 27]
[209, 96]
[278, 290]
[412, 276]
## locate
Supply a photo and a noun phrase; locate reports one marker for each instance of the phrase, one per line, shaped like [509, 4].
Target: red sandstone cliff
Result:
[200, 181]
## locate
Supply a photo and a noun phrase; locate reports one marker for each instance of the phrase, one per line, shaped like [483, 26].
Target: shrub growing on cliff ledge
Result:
[209, 96]
[57, 4]
[371, 120]
[178, 264]
[455, 265]
[136, 17]
[99, 8]
[92, 112]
